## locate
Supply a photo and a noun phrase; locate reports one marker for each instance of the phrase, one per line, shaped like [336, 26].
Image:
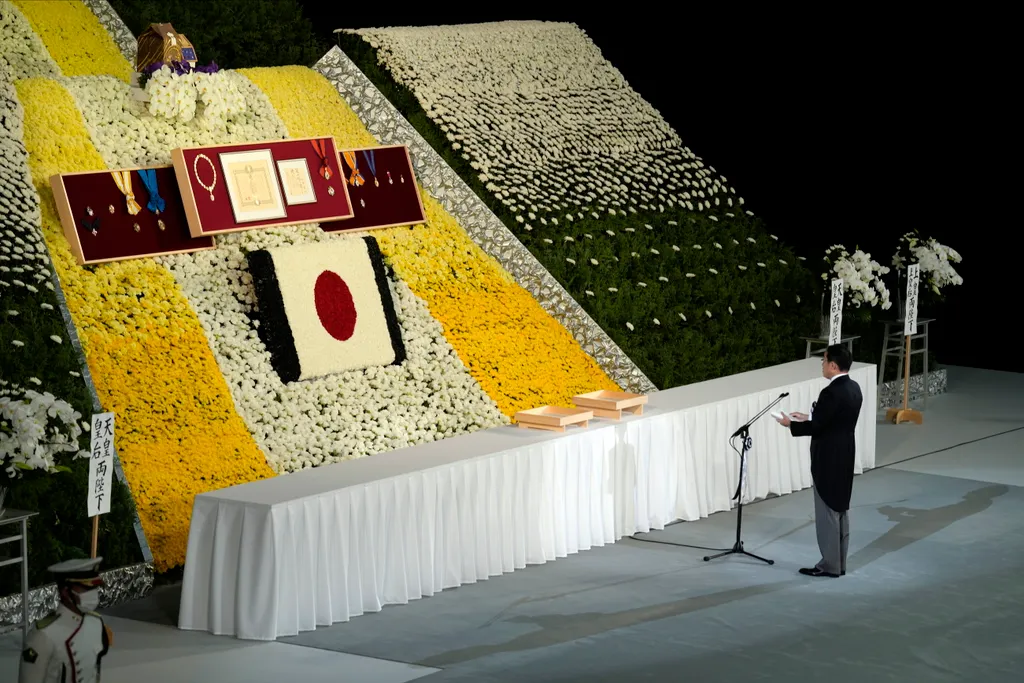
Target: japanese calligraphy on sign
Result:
[101, 463]
[835, 313]
[913, 281]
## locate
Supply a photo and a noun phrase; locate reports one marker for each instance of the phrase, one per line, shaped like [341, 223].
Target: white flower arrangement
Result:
[215, 96]
[935, 259]
[124, 139]
[479, 84]
[861, 275]
[35, 430]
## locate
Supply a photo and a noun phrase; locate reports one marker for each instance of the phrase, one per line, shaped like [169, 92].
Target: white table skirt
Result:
[276, 557]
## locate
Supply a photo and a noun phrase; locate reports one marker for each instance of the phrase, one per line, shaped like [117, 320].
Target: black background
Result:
[847, 128]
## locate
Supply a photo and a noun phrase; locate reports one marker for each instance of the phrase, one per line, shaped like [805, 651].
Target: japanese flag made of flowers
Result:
[326, 307]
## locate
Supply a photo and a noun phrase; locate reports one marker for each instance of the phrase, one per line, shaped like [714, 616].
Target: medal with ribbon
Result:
[156, 202]
[371, 162]
[321, 151]
[356, 179]
[123, 179]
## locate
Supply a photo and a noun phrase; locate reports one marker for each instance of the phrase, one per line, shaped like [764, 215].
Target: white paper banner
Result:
[744, 468]
[835, 315]
[913, 281]
[101, 463]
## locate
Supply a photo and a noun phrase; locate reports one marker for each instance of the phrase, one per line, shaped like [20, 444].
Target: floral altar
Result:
[170, 342]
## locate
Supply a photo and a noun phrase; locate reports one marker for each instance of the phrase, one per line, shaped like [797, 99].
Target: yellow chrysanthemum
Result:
[75, 38]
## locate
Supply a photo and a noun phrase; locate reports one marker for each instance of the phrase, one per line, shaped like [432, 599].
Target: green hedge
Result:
[62, 530]
[234, 33]
[673, 352]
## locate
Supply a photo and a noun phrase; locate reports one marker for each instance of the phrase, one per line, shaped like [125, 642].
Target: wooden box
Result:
[111, 233]
[611, 404]
[212, 198]
[387, 195]
[553, 418]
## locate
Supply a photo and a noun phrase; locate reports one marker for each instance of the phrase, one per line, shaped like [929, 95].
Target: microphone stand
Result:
[744, 433]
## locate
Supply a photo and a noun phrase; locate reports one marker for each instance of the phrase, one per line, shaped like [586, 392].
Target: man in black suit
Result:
[831, 426]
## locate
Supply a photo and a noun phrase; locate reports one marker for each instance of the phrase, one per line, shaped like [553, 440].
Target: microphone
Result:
[746, 426]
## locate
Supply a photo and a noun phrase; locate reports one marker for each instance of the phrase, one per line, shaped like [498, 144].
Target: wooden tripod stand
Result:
[905, 414]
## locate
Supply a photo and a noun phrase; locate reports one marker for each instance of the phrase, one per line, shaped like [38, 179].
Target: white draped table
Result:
[284, 555]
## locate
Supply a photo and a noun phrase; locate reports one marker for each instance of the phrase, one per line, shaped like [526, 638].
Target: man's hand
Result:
[800, 417]
[785, 421]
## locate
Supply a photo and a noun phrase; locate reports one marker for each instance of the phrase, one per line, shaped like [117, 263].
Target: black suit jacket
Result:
[833, 445]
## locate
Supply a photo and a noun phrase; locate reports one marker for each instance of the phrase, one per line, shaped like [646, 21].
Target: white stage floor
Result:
[938, 544]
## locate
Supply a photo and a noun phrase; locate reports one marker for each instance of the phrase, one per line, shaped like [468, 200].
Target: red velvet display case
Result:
[229, 188]
[116, 237]
[388, 195]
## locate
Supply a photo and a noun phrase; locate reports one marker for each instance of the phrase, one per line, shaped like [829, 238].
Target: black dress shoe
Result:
[814, 571]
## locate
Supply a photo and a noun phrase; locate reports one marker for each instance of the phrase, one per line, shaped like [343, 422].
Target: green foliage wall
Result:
[61, 530]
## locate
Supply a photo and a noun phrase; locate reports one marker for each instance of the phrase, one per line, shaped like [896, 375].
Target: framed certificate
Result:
[252, 185]
[296, 181]
[262, 184]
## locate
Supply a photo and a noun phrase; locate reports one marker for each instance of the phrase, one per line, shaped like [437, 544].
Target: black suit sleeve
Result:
[825, 413]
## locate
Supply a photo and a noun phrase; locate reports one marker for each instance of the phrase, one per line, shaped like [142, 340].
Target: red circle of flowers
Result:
[334, 305]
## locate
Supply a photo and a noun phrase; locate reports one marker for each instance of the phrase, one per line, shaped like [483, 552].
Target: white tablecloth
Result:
[284, 555]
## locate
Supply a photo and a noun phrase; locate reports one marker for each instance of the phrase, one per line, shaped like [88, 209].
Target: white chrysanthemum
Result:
[428, 397]
[563, 96]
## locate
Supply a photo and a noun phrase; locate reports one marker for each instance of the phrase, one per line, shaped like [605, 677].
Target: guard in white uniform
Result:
[67, 646]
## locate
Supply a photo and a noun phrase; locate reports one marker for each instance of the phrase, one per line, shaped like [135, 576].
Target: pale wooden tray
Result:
[611, 404]
[553, 418]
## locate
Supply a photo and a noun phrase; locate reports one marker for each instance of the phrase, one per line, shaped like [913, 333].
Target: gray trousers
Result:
[833, 536]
